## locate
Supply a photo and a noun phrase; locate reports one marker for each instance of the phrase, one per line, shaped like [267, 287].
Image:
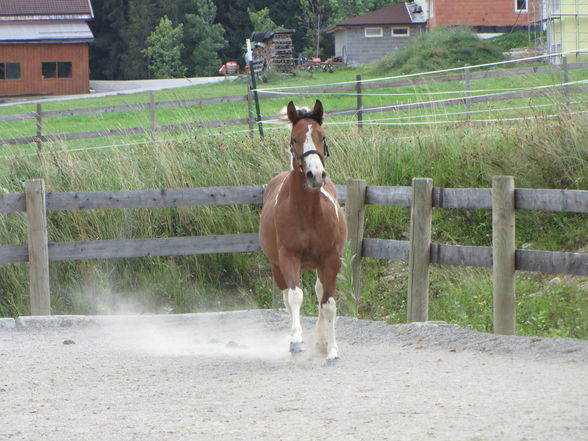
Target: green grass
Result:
[441, 48]
[546, 154]
[513, 40]
[540, 105]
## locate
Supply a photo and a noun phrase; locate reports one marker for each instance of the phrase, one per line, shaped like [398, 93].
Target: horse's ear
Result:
[318, 111]
[292, 112]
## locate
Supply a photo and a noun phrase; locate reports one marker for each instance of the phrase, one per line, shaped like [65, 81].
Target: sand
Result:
[229, 376]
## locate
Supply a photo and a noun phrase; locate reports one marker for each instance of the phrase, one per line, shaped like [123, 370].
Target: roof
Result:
[263, 36]
[31, 9]
[48, 31]
[389, 15]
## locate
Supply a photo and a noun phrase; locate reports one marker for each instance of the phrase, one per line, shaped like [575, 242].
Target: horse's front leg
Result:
[326, 284]
[293, 296]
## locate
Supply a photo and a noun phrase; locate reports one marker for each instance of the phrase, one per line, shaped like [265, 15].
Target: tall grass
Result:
[546, 154]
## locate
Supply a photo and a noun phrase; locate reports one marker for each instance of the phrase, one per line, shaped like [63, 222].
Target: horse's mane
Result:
[307, 113]
[303, 112]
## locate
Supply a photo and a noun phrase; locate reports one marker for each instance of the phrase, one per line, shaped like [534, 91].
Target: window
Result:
[400, 32]
[521, 5]
[374, 32]
[56, 69]
[9, 71]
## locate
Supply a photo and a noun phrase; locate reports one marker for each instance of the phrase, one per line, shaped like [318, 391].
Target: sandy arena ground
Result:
[229, 376]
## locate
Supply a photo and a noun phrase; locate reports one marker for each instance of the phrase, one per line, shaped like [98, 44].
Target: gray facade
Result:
[355, 49]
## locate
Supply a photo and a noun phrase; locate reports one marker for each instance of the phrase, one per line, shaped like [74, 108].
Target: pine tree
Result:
[261, 20]
[164, 50]
[204, 39]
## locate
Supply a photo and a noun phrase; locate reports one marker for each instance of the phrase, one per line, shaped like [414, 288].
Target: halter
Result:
[299, 158]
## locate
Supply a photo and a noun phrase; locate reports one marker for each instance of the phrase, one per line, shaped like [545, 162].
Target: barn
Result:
[369, 37]
[44, 47]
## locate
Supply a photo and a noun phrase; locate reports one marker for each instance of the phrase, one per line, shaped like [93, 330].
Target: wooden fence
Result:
[152, 105]
[422, 197]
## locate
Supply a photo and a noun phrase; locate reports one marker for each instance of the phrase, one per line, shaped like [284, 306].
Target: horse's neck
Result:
[303, 199]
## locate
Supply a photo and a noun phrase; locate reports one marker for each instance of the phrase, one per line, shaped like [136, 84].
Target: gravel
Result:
[228, 376]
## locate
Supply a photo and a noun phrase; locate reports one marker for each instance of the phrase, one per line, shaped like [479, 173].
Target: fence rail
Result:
[35, 202]
[151, 105]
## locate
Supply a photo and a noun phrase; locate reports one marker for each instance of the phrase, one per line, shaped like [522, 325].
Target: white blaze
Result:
[313, 162]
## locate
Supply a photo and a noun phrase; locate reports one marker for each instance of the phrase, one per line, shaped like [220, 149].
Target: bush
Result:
[514, 40]
[440, 49]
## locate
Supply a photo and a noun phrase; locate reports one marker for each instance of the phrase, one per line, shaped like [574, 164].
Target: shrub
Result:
[440, 49]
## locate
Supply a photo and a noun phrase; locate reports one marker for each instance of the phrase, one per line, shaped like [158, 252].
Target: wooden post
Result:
[354, 209]
[152, 112]
[468, 103]
[255, 98]
[359, 102]
[38, 247]
[503, 254]
[39, 120]
[420, 247]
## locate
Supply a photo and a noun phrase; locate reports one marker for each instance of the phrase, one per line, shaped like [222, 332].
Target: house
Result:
[565, 23]
[44, 47]
[369, 37]
[487, 18]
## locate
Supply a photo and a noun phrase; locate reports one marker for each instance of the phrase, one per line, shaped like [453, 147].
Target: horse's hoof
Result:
[333, 362]
[296, 347]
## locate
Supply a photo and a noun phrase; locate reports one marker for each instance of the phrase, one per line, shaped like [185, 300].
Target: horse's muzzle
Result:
[315, 181]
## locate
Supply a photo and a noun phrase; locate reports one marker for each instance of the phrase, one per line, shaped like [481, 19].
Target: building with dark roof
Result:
[369, 37]
[44, 47]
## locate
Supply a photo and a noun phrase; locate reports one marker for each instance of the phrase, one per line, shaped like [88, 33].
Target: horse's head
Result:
[307, 143]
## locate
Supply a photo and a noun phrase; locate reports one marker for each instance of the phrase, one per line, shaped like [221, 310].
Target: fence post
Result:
[38, 247]
[421, 216]
[359, 101]
[39, 120]
[503, 254]
[468, 103]
[256, 98]
[354, 211]
[152, 112]
[250, 119]
[565, 76]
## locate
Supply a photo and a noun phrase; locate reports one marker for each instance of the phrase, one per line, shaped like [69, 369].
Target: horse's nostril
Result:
[309, 175]
[324, 175]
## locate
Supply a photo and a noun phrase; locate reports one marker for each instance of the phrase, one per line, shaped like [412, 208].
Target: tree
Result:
[345, 9]
[204, 39]
[261, 20]
[108, 46]
[143, 17]
[164, 50]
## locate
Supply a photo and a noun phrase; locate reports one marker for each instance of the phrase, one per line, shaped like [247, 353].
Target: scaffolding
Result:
[560, 26]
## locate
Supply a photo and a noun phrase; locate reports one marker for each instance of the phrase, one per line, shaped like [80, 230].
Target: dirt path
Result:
[229, 377]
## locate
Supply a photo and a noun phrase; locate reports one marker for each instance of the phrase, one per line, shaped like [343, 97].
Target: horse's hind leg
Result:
[321, 331]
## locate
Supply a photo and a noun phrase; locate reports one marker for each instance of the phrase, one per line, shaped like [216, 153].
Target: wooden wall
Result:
[30, 57]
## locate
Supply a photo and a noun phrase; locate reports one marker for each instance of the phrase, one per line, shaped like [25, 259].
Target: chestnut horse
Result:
[302, 227]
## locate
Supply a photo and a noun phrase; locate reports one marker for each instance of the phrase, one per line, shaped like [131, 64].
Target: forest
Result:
[137, 39]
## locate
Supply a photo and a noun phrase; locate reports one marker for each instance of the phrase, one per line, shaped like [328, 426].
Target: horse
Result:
[302, 227]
